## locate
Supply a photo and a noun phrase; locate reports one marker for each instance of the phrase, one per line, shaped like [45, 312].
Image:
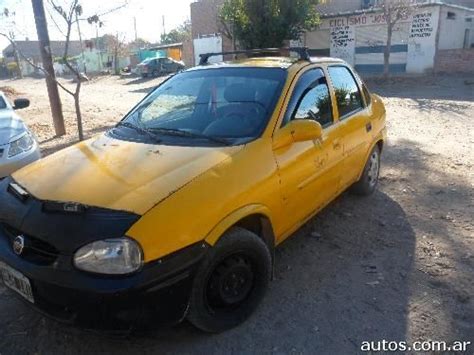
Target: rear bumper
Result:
[156, 296]
[10, 165]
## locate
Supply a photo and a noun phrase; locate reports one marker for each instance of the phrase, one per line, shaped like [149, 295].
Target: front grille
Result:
[35, 250]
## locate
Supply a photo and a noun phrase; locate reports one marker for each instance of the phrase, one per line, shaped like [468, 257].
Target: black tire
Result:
[370, 177]
[231, 282]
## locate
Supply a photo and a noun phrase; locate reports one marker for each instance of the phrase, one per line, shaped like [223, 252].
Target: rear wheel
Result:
[370, 177]
[230, 282]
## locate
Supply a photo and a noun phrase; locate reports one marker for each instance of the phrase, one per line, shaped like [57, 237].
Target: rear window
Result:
[347, 92]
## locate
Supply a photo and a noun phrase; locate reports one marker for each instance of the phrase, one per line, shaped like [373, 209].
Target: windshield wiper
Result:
[183, 133]
[145, 131]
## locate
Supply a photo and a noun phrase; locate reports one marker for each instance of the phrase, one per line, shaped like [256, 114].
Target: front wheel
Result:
[370, 177]
[230, 282]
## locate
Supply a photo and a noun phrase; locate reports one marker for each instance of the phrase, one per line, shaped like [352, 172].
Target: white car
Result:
[18, 146]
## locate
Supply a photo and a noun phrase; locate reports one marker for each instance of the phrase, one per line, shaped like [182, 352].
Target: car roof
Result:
[268, 62]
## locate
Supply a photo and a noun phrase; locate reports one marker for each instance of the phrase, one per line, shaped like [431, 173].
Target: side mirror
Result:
[297, 131]
[20, 103]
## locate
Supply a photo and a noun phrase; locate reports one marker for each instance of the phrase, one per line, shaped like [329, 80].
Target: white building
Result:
[434, 36]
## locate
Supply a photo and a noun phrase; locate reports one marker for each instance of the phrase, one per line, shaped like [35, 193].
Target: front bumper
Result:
[156, 296]
[10, 165]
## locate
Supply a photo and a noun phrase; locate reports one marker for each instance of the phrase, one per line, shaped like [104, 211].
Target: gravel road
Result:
[398, 265]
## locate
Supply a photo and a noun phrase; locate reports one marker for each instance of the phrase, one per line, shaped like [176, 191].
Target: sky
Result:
[148, 13]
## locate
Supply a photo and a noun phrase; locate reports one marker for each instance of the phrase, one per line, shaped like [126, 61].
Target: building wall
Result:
[188, 53]
[455, 60]
[205, 23]
[452, 31]
[422, 40]
[360, 39]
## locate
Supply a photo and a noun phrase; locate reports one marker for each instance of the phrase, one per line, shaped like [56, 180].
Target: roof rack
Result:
[301, 51]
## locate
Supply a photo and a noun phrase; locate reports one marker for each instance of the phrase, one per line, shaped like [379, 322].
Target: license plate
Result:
[16, 281]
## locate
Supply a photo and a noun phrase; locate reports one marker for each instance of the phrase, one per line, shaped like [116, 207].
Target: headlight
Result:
[110, 256]
[23, 144]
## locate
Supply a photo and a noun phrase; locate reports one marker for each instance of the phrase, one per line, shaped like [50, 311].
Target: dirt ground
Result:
[398, 265]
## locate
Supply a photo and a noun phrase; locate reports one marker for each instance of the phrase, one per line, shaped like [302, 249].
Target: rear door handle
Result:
[368, 127]
[336, 144]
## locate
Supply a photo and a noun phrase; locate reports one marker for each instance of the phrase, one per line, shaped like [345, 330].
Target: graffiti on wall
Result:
[422, 25]
[343, 42]
[363, 19]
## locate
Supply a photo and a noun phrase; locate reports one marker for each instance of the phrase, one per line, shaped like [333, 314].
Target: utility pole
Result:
[80, 42]
[45, 50]
[164, 29]
[135, 27]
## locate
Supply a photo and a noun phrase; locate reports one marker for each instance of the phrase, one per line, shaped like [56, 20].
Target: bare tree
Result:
[394, 11]
[7, 18]
[70, 16]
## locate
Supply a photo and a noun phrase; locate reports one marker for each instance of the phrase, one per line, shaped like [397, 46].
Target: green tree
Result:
[267, 23]
[177, 35]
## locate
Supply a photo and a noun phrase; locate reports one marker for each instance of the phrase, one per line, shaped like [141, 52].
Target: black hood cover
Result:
[66, 227]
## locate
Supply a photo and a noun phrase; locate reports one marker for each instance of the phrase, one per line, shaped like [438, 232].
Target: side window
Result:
[347, 92]
[310, 99]
[315, 104]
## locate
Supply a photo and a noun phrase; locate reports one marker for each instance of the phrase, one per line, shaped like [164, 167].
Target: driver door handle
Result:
[336, 144]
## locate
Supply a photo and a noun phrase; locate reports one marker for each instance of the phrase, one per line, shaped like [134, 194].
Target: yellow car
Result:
[175, 212]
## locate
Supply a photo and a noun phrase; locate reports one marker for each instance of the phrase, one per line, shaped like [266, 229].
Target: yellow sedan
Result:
[175, 212]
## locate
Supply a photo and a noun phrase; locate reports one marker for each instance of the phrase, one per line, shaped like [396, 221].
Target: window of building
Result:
[451, 15]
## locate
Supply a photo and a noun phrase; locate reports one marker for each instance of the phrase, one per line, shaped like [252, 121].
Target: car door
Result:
[167, 65]
[354, 116]
[309, 171]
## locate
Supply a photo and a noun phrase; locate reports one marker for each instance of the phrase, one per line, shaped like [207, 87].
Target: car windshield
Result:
[3, 104]
[230, 104]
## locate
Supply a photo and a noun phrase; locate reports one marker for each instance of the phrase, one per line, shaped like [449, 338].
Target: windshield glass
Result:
[230, 103]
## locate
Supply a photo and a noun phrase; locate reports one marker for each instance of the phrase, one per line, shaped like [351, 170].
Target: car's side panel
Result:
[379, 130]
[234, 217]
[355, 135]
[357, 138]
[309, 171]
[299, 178]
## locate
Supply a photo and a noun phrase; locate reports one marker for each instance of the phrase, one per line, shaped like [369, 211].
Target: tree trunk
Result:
[78, 110]
[386, 53]
[52, 86]
[18, 62]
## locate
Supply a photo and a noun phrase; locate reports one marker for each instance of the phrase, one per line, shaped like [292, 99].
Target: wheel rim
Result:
[373, 172]
[230, 283]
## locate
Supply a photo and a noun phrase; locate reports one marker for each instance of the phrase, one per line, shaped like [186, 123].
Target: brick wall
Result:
[188, 53]
[454, 60]
[205, 21]
[204, 17]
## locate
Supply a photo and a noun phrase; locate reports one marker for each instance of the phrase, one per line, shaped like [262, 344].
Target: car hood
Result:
[10, 126]
[120, 175]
